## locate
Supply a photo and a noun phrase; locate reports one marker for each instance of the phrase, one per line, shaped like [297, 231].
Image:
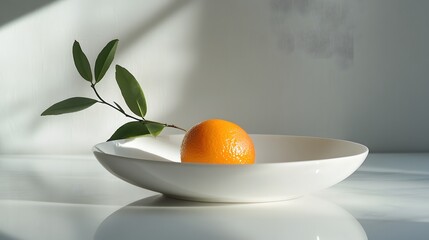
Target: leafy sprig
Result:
[130, 90]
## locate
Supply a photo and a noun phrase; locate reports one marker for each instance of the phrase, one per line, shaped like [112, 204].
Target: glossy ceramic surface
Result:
[286, 167]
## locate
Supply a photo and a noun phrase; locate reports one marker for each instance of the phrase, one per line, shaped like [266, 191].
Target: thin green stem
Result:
[166, 125]
[110, 105]
[119, 109]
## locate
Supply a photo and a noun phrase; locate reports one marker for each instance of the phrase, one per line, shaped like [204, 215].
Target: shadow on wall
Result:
[302, 67]
[249, 67]
[232, 75]
[12, 9]
[145, 27]
[294, 67]
[6, 237]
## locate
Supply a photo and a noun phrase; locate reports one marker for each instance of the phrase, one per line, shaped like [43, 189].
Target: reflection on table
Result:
[159, 217]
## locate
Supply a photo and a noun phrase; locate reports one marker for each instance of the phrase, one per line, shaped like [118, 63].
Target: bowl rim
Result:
[364, 151]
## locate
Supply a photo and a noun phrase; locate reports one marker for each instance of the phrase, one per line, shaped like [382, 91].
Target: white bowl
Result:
[286, 167]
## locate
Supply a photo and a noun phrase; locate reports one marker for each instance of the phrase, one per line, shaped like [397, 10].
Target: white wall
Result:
[351, 69]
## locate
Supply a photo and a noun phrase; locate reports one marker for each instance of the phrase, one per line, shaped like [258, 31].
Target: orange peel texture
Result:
[217, 141]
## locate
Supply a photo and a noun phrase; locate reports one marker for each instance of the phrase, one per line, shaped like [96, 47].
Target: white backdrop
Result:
[350, 69]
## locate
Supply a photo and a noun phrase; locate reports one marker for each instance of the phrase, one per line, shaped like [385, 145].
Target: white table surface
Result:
[74, 197]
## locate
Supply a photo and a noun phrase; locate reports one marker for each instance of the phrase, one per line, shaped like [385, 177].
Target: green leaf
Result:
[104, 59]
[130, 129]
[81, 62]
[131, 91]
[155, 128]
[69, 105]
[140, 109]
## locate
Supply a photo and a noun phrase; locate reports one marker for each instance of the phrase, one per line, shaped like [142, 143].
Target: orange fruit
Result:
[217, 141]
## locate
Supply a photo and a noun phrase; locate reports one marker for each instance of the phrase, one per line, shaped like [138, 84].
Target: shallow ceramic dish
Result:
[286, 167]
